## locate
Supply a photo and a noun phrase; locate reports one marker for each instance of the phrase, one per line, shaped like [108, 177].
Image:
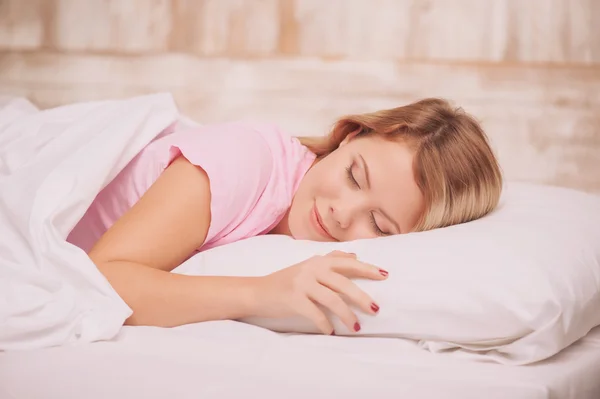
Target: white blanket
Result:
[52, 164]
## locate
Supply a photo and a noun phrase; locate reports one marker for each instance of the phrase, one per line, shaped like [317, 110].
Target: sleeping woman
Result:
[413, 168]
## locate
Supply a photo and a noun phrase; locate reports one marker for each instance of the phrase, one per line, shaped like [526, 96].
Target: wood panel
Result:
[232, 27]
[544, 123]
[111, 25]
[474, 30]
[22, 24]
[533, 31]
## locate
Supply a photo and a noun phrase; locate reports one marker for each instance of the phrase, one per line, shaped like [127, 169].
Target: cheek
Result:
[410, 203]
[334, 181]
[323, 182]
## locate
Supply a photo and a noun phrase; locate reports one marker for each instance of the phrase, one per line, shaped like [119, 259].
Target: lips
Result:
[318, 224]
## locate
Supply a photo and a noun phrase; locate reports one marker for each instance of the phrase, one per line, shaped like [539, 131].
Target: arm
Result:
[159, 232]
[169, 222]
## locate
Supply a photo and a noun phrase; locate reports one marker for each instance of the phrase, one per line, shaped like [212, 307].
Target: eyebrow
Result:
[366, 168]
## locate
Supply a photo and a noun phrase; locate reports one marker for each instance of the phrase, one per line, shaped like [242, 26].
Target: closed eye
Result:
[355, 184]
[378, 231]
[351, 176]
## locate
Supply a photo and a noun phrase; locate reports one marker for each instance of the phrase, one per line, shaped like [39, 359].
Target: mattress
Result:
[228, 359]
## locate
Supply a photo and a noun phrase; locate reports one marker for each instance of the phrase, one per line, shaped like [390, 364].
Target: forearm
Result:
[160, 298]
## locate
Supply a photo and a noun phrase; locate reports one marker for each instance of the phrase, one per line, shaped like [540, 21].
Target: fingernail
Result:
[374, 307]
[383, 272]
[356, 327]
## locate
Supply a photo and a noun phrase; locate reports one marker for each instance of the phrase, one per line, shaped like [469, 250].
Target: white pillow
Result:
[516, 286]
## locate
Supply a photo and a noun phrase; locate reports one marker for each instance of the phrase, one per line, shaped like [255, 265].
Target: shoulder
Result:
[289, 160]
[263, 137]
[233, 141]
[286, 152]
[253, 170]
[261, 146]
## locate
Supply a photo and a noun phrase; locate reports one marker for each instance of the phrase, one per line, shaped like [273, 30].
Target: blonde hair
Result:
[454, 166]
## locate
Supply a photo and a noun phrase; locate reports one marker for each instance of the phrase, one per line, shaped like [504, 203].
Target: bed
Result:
[61, 331]
[231, 359]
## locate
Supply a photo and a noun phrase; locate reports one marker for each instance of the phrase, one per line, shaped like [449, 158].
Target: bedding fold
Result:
[52, 165]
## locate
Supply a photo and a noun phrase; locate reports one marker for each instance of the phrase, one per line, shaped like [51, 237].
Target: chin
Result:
[293, 232]
[300, 234]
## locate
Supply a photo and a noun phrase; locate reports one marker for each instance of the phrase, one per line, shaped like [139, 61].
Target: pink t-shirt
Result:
[254, 171]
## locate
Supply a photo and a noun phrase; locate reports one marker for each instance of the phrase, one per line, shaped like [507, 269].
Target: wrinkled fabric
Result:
[52, 165]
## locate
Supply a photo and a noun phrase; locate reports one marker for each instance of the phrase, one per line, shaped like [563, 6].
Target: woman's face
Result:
[364, 189]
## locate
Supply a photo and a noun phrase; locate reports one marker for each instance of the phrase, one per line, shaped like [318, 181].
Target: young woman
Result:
[418, 167]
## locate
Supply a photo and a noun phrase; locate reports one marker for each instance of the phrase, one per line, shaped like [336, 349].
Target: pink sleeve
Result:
[238, 162]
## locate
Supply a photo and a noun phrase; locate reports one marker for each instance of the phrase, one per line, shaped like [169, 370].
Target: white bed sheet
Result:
[234, 360]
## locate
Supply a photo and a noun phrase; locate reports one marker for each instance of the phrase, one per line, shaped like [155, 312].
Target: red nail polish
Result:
[374, 307]
[383, 272]
[356, 327]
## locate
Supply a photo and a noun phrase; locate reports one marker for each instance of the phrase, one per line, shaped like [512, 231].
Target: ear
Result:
[349, 137]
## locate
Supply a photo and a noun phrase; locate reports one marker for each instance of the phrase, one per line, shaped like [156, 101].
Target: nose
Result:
[345, 211]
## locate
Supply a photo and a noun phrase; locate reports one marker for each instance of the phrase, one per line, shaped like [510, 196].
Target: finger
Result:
[344, 286]
[353, 268]
[342, 254]
[310, 311]
[336, 305]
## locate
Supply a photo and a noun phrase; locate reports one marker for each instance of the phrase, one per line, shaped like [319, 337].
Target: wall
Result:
[528, 69]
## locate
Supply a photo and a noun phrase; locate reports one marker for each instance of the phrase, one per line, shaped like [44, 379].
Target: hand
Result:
[320, 280]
